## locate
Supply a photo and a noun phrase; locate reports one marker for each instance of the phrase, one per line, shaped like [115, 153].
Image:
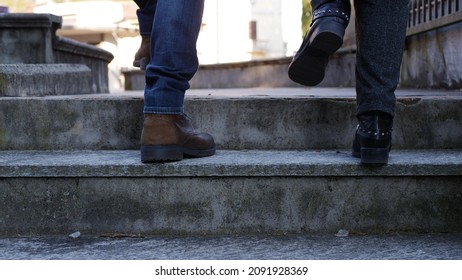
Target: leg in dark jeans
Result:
[380, 34]
[342, 4]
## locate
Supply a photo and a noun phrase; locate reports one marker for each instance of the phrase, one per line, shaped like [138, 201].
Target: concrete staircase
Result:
[35, 61]
[70, 163]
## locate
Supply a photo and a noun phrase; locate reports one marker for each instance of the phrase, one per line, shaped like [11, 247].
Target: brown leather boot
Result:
[142, 56]
[171, 137]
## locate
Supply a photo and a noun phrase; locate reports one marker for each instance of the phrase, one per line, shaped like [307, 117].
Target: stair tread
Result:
[391, 246]
[264, 93]
[251, 163]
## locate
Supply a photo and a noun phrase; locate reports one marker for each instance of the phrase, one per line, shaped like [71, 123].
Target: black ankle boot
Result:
[323, 39]
[373, 138]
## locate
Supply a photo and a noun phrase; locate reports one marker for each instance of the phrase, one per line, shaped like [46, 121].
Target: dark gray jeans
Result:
[380, 35]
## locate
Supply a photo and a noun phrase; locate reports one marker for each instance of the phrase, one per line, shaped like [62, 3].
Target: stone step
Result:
[262, 247]
[29, 38]
[44, 79]
[255, 118]
[233, 192]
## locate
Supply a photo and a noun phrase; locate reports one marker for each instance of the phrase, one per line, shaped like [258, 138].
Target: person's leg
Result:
[380, 33]
[145, 14]
[316, 4]
[325, 37]
[168, 133]
[174, 56]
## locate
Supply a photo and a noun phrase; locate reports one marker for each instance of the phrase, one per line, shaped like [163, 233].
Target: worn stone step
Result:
[30, 38]
[44, 79]
[258, 118]
[233, 192]
[356, 246]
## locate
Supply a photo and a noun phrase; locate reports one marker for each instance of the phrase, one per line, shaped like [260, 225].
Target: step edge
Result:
[249, 163]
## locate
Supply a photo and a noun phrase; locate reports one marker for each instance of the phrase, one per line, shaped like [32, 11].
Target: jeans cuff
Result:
[163, 110]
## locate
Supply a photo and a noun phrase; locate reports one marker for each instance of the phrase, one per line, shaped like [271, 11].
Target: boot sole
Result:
[377, 156]
[165, 153]
[309, 66]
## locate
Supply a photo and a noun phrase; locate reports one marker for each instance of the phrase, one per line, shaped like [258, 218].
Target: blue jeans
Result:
[175, 26]
[145, 16]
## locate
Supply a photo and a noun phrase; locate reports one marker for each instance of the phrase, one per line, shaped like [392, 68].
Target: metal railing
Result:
[426, 15]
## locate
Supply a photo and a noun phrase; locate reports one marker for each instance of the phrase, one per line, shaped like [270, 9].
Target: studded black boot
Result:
[373, 138]
[325, 37]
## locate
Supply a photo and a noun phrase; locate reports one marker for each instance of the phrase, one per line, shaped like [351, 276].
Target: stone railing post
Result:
[27, 38]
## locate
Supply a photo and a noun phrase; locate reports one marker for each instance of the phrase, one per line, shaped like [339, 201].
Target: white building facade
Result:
[243, 30]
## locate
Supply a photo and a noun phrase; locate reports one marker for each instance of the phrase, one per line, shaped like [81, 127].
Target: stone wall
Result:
[433, 59]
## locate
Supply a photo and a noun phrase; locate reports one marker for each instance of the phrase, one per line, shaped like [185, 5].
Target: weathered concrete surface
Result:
[262, 247]
[75, 52]
[21, 80]
[432, 59]
[231, 192]
[65, 122]
[259, 73]
[27, 38]
[227, 163]
[284, 118]
[263, 73]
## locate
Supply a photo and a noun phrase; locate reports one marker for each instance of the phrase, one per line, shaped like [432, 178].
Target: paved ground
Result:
[306, 247]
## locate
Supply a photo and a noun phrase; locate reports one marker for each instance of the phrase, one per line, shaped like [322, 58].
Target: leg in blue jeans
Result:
[174, 57]
[145, 14]
[168, 134]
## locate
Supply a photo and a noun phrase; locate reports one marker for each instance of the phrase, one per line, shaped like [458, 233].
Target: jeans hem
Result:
[163, 110]
[364, 109]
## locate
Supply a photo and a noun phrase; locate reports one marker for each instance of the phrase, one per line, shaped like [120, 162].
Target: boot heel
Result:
[161, 153]
[374, 155]
[328, 36]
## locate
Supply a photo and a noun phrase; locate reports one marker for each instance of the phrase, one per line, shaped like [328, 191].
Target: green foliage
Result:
[306, 16]
[18, 6]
